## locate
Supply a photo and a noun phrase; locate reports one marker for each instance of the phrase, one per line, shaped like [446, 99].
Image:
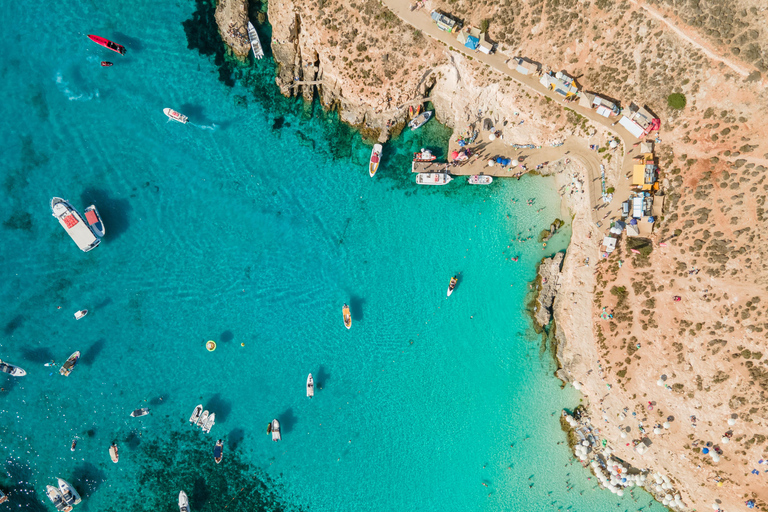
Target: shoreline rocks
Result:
[548, 282]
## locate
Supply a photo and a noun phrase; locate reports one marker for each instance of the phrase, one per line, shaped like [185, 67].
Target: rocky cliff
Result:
[232, 19]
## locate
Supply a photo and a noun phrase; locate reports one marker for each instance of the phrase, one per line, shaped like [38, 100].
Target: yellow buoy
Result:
[211, 345]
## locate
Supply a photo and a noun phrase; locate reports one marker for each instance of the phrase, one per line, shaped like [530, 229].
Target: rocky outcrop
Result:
[549, 282]
[232, 19]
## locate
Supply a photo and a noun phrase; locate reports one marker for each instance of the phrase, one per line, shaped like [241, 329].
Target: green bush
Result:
[484, 25]
[676, 100]
[610, 190]
[642, 245]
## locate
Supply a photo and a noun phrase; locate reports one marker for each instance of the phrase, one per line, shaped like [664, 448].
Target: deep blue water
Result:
[251, 226]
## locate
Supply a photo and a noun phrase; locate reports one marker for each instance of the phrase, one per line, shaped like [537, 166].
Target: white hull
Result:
[80, 314]
[69, 364]
[253, 36]
[433, 178]
[74, 224]
[183, 502]
[201, 421]
[10, 369]
[310, 386]
[140, 412]
[420, 120]
[276, 431]
[196, 414]
[175, 116]
[375, 155]
[68, 492]
[478, 179]
[57, 499]
[113, 454]
[208, 425]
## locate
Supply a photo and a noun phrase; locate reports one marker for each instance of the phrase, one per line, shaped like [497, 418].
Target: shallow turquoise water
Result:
[251, 226]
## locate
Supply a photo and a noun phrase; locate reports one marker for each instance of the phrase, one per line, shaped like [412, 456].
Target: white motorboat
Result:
[373, 164]
[3, 497]
[80, 314]
[11, 369]
[310, 386]
[113, 453]
[183, 502]
[451, 286]
[196, 414]
[203, 418]
[68, 492]
[421, 119]
[69, 364]
[275, 430]
[57, 499]
[209, 422]
[433, 178]
[73, 223]
[253, 36]
[138, 413]
[94, 220]
[218, 451]
[480, 179]
[175, 116]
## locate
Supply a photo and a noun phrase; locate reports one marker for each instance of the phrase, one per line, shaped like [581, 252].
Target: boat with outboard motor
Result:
[11, 369]
[57, 499]
[73, 223]
[452, 285]
[218, 451]
[106, 43]
[347, 316]
[80, 314]
[433, 178]
[420, 120]
[253, 37]
[373, 164]
[275, 430]
[480, 179]
[196, 414]
[424, 155]
[69, 364]
[175, 116]
[94, 221]
[113, 454]
[209, 422]
[138, 413]
[310, 386]
[68, 492]
[183, 502]
[202, 419]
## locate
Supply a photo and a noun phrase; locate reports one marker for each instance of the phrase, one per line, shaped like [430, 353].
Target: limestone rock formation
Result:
[232, 19]
[549, 272]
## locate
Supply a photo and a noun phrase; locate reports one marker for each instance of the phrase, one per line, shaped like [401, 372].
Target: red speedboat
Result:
[106, 43]
[106, 64]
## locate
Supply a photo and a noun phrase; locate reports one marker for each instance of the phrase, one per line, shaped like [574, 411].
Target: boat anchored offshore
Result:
[196, 414]
[480, 179]
[452, 285]
[94, 221]
[183, 502]
[11, 369]
[69, 364]
[253, 36]
[420, 120]
[347, 316]
[209, 422]
[175, 116]
[218, 451]
[68, 492]
[310, 386]
[275, 430]
[106, 43]
[138, 413]
[373, 164]
[202, 419]
[73, 223]
[57, 499]
[113, 453]
[80, 314]
[3, 497]
[433, 178]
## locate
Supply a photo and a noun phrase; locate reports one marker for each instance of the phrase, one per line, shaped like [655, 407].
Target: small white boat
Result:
[275, 430]
[138, 413]
[73, 223]
[424, 155]
[452, 285]
[209, 422]
[183, 502]
[433, 178]
[196, 414]
[175, 116]
[203, 418]
[57, 499]
[68, 492]
[373, 165]
[310, 386]
[94, 221]
[80, 314]
[69, 364]
[11, 369]
[480, 179]
[253, 36]
[347, 316]
[420, 120]
[218, 451]
[3, 497]
[113, 454]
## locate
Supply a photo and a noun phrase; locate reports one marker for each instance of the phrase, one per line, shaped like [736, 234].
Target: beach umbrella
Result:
[585, 443]
[491, 163]
[454, 155]
[705, 451]
[515, 163]
[619, 493]
[577, 385]
[506, 162]
[715, 506]
[725, 440]
[623, 435]
[657, 431]
[659, 382]
[666, 425]
[715, 457]
[499, 160]
[732, 421]
[491, 136]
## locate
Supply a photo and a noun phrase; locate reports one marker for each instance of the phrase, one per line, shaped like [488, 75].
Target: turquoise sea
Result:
[251, 226]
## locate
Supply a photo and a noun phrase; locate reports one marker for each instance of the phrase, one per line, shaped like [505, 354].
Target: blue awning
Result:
[472, 42]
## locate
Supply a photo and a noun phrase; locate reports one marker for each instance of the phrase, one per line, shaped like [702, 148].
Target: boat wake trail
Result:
[212, 127]
[70, 92]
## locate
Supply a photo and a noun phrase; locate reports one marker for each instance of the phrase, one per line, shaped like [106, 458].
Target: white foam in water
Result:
[71, 95]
